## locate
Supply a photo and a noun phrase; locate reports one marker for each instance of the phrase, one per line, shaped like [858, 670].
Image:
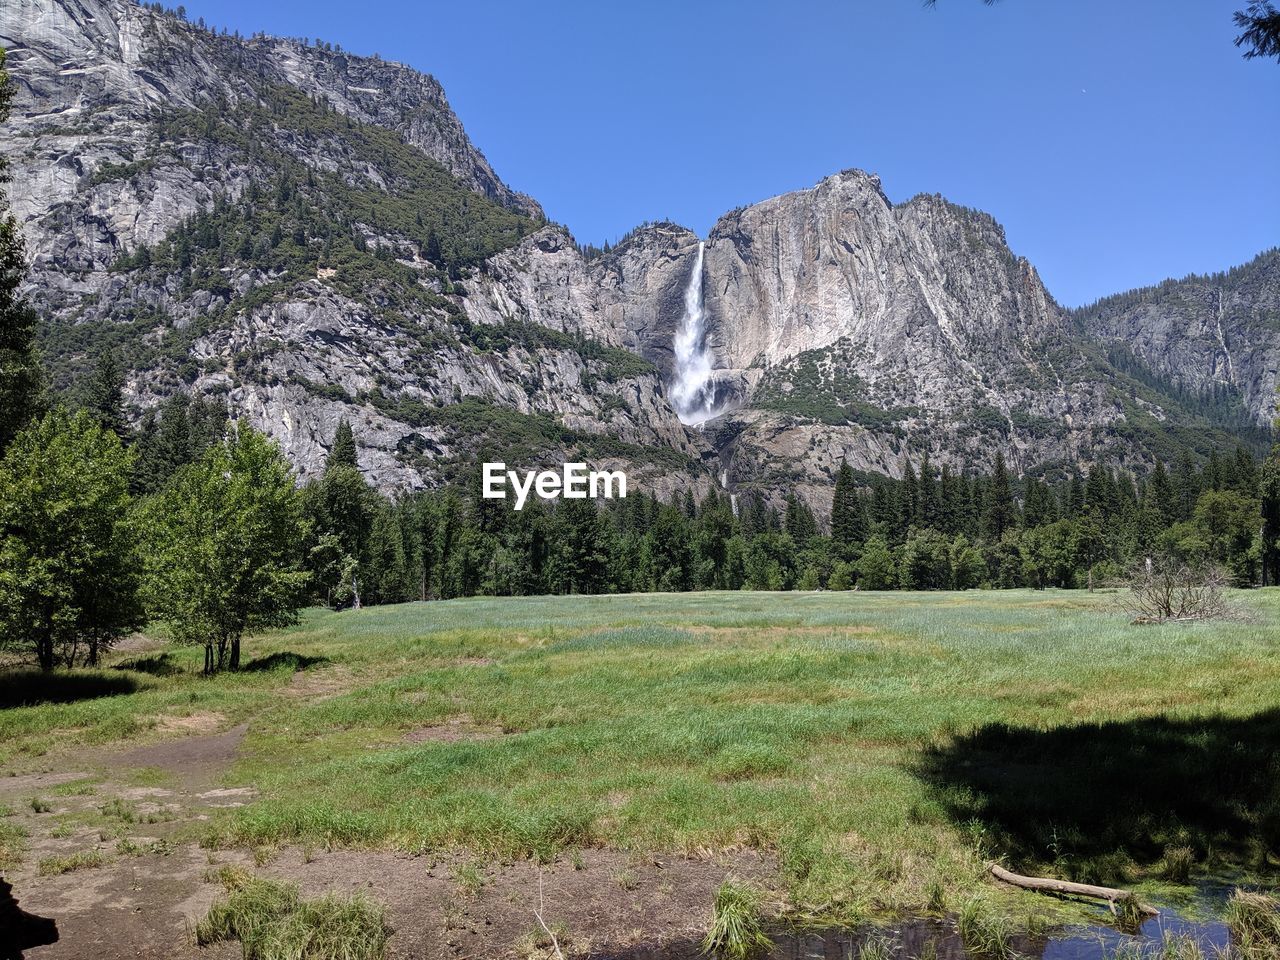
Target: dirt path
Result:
[134, 812]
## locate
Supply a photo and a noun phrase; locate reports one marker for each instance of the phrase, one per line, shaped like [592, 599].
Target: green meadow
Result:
[883, 746]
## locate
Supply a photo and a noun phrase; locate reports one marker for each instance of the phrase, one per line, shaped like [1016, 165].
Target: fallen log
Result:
[1112, 895]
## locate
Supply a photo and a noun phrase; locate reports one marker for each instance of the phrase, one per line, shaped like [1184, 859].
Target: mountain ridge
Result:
[254, 225]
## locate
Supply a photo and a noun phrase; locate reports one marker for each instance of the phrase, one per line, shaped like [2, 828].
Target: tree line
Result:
[200, 523]
[928, 529]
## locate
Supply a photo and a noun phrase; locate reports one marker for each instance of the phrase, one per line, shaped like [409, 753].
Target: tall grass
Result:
[273, 922]
[985, 930]
[1172, 947]
[736, 932]
[1254, 921]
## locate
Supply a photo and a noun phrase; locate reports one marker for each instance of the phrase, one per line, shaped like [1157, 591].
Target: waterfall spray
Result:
[692, 390]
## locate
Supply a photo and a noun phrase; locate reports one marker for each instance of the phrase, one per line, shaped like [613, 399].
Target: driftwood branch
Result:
[555, 944]
[1048, 885]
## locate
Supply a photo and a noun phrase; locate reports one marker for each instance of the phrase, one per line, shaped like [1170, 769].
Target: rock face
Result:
[860, 330]
[928, 288]
[311, 236]
[1204, 332]
[115, 67]
[121, 136]
[631, 297]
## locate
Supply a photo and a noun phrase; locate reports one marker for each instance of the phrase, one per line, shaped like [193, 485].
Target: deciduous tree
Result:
[68, 558]
[224, 547]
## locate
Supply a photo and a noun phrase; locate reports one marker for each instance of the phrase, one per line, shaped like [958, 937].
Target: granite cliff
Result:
[311, 236]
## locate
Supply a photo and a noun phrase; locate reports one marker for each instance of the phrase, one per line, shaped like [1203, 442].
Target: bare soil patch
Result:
[192, 723]
[190, 758]
[320, 684]
[598, 901]
[29, 783]
[461, 727]
[138, 643]
[601, 903]
[142, 906]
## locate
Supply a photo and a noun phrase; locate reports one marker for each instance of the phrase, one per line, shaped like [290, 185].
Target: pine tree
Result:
[848, 522]
[1213, 476]
[1074, 507]
[1037, 503]
[385, 571]
[1160, 493]
[1186, 487]
[104, 395]
[929, 497]
[799, 524]
[950, 502]
[909, 498]
[1269, 491]
[343, 451]
[1244, 472]
[1000, 513]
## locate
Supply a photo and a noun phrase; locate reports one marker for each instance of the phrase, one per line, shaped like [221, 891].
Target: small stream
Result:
[915, 939]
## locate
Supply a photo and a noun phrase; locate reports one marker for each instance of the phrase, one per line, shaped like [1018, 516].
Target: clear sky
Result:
[1118, 141]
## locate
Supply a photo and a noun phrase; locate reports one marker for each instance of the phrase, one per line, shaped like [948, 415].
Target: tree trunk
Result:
[208, 659]
[235, 652]
[44, 640]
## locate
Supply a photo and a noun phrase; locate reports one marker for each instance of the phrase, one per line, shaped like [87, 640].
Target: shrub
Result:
[1161, 593]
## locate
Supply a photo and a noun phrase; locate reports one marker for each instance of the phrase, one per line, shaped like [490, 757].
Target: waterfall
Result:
[693, 390]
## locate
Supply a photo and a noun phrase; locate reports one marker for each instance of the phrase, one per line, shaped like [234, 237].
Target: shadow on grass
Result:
[24, 688]
[280, 661]
[1096, 798]
[161, 665]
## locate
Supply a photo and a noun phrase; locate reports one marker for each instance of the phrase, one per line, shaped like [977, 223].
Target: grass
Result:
[1177, 864]
[272, 921]
[80, 860]
[1172, 947]
[1254, 921]
[736, 932]
[13, 842]
[469, 878]
[882, 746]
[986, 930]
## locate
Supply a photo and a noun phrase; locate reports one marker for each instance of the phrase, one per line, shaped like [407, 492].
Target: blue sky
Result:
[1118, 141]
